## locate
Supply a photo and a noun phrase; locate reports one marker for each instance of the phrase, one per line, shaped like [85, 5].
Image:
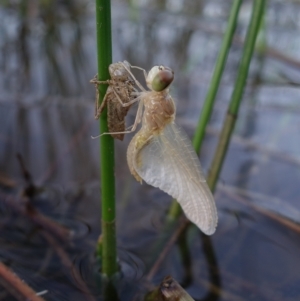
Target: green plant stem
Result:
[229, 123]
[175, 209]
[216, 78]
[104, 53]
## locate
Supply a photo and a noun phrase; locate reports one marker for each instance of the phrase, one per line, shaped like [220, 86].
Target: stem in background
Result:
[104, 54]
[175, 209]
[258, 8]
[229, 123]
[216, 78]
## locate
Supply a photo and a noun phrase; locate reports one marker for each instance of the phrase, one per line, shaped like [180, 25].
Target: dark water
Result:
[46, 112]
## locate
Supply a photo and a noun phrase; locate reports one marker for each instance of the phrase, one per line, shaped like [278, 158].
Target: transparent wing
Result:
[169, 162]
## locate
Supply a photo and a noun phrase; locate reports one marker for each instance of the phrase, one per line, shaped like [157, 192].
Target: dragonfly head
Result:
[159, 78]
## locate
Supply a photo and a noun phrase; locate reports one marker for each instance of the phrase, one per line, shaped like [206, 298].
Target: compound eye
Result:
[162, 79]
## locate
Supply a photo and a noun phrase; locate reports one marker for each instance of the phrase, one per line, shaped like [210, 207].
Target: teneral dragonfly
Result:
[162, 155]
[119, 92]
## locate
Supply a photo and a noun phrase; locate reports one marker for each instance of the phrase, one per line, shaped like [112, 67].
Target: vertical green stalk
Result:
[216, 78]
[229, 123]
[104, 54]
[175, 209]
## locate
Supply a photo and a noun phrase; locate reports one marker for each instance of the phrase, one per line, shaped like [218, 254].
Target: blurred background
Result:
[48, 56]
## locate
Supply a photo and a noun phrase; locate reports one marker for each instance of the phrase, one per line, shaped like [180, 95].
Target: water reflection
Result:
[48, 50]
[42, 42]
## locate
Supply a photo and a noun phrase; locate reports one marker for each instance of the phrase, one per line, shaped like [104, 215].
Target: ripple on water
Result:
[86, 270]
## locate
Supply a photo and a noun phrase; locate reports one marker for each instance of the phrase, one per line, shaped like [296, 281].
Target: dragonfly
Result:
[162, 154]
[119, 91]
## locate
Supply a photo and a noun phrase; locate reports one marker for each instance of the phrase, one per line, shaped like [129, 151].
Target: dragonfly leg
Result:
[127, 104]
[133, 77]
[97, 82]
[144, 71]
[138, 119]
[98, 110]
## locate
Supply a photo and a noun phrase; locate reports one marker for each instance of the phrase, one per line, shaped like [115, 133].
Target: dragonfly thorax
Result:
[159, 110]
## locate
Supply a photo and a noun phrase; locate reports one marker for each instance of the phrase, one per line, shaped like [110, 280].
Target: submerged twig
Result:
[23, 207]
[65, 260]
[239, 197]
[16, 286]
[226, 295]
[30, 189]
[6, 181]
[167, 249]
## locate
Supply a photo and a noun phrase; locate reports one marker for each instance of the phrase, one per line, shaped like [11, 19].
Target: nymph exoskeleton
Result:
[119, 92]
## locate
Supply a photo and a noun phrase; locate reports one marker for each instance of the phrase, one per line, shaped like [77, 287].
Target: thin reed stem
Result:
[175, 209]
[216, 78]
[104, 54]
[229, 123]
